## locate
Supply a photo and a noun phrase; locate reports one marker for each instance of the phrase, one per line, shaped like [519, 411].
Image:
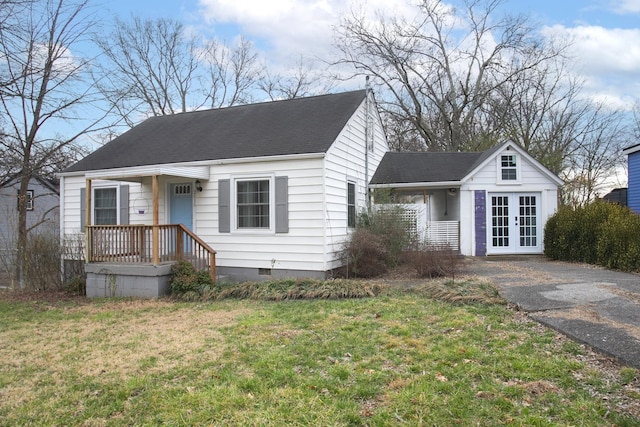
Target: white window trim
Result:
[234, 203]
[499, 168]
[93, 203]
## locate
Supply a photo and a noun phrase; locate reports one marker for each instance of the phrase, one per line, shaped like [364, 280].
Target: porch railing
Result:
[136, 244]
[443, 232]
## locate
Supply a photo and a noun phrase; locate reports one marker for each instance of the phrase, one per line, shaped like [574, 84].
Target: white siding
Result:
[531, 180]
[299, 249]
[345, 162]
[317, 203]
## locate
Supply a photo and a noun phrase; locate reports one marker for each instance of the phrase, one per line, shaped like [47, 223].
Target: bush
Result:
[365, 254]
[42, 262]
[599, 233]
[185, 280]
[77, 285]
[618, 245]
[431, 261]
[571, 234]
[391, 225]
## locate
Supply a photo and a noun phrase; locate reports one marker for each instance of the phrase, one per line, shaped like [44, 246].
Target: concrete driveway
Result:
[592, 305]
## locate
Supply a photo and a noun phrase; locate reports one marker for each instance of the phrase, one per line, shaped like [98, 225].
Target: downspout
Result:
[367, 136]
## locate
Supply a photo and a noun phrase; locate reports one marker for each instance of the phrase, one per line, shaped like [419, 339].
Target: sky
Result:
[605, 33]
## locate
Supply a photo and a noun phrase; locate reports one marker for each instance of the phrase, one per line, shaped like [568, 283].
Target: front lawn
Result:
[400, 358]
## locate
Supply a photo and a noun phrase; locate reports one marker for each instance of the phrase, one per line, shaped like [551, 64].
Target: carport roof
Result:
[428, 167]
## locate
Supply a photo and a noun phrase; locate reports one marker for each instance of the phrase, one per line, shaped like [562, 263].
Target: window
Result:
[29, 200]
[253, 206]
[105, 206]
[508, 167]
[351, 204]
[256, 204]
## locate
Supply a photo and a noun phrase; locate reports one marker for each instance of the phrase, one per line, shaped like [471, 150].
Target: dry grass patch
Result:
[108, 342]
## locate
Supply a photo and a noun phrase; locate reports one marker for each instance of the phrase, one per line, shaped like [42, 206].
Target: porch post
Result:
[155, 240]
[87, 222]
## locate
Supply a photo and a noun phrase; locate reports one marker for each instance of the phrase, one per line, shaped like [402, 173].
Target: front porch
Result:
[136, 259]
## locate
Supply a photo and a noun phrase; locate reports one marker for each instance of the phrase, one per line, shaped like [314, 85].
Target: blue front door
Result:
[181, 204]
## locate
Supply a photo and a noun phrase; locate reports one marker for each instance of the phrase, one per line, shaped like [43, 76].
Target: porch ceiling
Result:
[136, 174]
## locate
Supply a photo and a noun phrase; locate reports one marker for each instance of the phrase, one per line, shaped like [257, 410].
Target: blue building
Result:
[633, 194]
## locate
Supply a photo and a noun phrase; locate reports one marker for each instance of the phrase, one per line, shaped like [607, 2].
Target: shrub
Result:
[431, 261]
[77, 285]
[365, 254]
[618, 245]
[393, 227]
[185, 280]
[599, 233]
[42, 262]
[571, 234]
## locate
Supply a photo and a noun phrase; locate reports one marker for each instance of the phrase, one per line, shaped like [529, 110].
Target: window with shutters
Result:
[105, 206]
[253, 204]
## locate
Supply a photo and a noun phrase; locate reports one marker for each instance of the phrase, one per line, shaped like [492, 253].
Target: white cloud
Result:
[626, 6]
[292, 28]
[607, 58]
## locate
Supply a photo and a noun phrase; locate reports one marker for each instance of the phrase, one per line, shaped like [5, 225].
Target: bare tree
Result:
[439, 70]
[595, 153]
[302, 80]
[45, 91]
[148, 69]
[232, 72]
[542, 110]
[153, 67]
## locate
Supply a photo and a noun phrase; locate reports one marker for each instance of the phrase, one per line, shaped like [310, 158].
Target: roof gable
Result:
[296, 126]
[51, 184]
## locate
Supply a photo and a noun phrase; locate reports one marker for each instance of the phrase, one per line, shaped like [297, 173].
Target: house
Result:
[616, 196]
[633, 185]
[485, 203]
[42, 215]
[255, 191]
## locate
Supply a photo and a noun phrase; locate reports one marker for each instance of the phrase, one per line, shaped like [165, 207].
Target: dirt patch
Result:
[52, 298]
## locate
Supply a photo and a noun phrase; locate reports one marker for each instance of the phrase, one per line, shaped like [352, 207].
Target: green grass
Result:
[397, 359]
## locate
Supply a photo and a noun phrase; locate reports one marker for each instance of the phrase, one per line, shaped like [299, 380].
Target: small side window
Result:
[29, 200]
[351, 204]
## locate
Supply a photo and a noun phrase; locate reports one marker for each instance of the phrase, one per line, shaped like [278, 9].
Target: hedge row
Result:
[600, 233]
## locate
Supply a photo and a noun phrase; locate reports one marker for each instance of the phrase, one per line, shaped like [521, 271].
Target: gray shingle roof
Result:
[297, 126]
[406, 168]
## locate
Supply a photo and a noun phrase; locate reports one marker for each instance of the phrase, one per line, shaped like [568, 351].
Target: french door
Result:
[514, 223]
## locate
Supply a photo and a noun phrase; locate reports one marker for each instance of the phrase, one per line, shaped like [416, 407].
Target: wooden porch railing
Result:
[135, 244]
